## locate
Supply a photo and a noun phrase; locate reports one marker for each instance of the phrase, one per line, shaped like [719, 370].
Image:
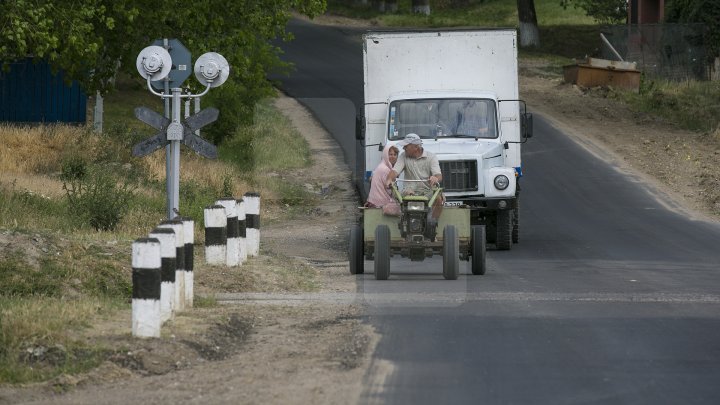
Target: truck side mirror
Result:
[359, 127]
[527, 125]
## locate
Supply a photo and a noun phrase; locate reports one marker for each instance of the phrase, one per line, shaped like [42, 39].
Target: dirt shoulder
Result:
[247, 351]
[679, 166]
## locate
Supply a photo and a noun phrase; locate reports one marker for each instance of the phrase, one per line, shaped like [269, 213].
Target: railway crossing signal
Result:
[155, 63]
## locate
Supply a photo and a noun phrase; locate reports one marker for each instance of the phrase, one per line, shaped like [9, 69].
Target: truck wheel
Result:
[503, 240]
[357, 259]
[478, 244]
[451, 253]
[516, 222]
[382, 252]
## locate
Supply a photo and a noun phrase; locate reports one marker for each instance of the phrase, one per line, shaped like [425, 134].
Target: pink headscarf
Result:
[380, 196]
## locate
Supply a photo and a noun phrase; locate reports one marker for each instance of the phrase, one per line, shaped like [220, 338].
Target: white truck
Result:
[458, 90]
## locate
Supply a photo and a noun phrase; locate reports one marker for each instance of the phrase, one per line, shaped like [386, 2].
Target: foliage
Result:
[692, 105]
[93, 39]
[93, 194]
[603, 11]
[470, 13]
[698, 11]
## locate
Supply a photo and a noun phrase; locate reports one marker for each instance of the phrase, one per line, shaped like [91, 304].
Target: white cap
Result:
[410, 139]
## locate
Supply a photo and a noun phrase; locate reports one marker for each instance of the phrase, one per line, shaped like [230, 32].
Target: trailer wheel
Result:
[516, 222]
[382, 252]
[356, 257]
[478, 252]
[503, 240]
[451, 253]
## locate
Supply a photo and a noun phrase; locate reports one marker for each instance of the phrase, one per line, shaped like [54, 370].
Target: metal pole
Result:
[197, 110]
[174, 208]
[612, 49]
[168, 149]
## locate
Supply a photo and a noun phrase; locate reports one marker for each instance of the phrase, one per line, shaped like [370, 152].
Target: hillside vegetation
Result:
[72, 201]
[566, 34]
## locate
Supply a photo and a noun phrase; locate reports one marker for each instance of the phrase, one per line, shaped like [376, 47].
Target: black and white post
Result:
[166, 236]
[252, 215]
[189, 229]
[232, 251]
[177, 226]
[215, 235]
[146, 275]
[242, 230]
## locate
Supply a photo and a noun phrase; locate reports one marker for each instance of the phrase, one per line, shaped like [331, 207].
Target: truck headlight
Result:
[416, 206]
[501, 182]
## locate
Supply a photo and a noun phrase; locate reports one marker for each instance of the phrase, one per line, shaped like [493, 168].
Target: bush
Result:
[94, 196]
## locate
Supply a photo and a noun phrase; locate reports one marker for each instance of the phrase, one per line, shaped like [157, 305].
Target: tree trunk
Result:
[391, 6]
[529, 34]
[421, 6]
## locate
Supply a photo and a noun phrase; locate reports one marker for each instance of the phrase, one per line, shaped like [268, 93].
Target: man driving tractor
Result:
[418, 164]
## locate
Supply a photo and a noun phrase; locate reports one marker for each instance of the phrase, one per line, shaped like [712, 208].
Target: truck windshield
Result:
[434, 118]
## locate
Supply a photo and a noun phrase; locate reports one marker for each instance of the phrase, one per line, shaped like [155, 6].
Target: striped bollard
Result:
[252, 217]
[215, 234]
[146, 265]
[166, 236]
[189, 228]
[232, 251]
[177, 226]
[242, 230]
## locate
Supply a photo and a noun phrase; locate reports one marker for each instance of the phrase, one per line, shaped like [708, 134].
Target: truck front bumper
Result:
[484, 203]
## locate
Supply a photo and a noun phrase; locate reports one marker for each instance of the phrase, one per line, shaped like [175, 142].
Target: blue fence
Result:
[30, 92]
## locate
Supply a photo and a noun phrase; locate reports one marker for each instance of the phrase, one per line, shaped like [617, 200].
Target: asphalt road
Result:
[612, 295]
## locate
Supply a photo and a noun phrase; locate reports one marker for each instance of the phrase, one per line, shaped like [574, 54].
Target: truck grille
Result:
[459, 175]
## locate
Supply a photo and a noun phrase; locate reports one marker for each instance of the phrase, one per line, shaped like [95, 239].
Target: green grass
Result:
[690, 105]
[24, 209]
[265, 151]
[477, 13]
[35, 339]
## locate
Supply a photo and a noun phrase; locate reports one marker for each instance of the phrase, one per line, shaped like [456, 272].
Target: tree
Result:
[91, 40]
[603, 11]
[529, 34]
[421, 6]
[698, 11]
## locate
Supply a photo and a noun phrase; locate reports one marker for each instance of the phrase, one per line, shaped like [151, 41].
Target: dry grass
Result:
[40, 149]
[46, 320]
[38, 184]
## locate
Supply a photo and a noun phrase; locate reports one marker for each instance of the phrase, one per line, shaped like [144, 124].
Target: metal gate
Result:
[30, 92]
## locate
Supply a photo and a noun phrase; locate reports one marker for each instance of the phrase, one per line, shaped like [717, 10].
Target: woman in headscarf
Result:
[379, 196]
